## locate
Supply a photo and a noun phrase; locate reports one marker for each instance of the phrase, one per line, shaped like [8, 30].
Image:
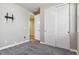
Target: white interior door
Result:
[57, 26]
[37, 27]
[62, 22]
[50, 17]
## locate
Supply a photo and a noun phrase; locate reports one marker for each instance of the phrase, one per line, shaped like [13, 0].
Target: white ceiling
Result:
[33, 6]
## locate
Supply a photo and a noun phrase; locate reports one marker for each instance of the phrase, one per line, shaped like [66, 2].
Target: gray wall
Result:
[73, 26]
[42, 24]
[13, 33]
[78, 27]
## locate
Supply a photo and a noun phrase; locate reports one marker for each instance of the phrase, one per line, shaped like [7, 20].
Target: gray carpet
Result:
[35, 49]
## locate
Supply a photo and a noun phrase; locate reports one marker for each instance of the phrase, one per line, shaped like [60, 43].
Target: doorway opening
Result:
[32, 28]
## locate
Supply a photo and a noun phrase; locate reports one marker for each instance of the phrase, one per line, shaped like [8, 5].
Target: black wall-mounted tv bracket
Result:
[9, 17]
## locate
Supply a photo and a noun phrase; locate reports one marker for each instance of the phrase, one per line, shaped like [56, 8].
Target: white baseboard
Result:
[12, 45]
[78, 52]
[46, 43]
[74, 50]
[42, 42]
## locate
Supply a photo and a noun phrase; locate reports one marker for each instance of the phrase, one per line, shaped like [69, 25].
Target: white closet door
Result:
[57, 26]
[62, 27]
[50, 17]
[37, 27]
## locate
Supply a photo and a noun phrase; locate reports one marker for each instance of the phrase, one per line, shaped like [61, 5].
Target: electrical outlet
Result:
[24, 37]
